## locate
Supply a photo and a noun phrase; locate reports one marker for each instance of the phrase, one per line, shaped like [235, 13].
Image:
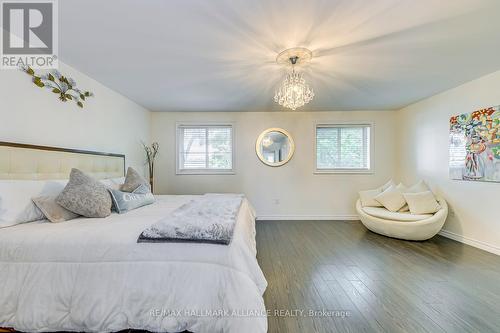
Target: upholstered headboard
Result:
[22, 161]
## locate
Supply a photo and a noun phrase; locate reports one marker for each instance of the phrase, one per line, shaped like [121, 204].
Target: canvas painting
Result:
[475, 145]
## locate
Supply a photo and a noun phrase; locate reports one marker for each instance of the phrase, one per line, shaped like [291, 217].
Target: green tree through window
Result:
[343, 147]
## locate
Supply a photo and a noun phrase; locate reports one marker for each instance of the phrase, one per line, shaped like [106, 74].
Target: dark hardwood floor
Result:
[359, 281]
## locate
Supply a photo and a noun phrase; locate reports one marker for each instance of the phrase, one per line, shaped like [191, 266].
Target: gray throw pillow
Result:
[85, 196]
[133, 180]
[125, 201]
[52, 210]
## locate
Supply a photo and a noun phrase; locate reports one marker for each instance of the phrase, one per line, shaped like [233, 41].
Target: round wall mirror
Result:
[275, 147]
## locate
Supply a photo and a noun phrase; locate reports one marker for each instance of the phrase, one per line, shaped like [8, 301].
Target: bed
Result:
[90, 274]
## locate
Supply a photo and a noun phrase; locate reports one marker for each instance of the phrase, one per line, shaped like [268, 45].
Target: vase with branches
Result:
[151, 152]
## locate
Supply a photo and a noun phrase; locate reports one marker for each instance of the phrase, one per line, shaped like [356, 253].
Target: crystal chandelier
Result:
[294, 92]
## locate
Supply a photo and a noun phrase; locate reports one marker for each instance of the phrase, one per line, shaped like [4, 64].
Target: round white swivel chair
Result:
[403, 225]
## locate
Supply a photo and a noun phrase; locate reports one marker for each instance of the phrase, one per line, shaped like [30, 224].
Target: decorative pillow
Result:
[401, 187]
[404, 209]
[113, 183]
[367, 198]
[132, 181]
[422, 202]
[421, 186]
[386, 185]
[52, 210]
[142, 189]
[392, 199]
[16, 205]
[85, 196]
[125, 201]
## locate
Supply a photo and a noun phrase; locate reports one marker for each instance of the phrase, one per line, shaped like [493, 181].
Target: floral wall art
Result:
[63, 86]
[475, 145]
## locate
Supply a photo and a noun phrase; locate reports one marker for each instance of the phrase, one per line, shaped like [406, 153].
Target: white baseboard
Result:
[307, 217]
[472, 242]
[445, 233]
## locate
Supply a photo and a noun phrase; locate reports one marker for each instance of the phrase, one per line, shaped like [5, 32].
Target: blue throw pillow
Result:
[125, 201]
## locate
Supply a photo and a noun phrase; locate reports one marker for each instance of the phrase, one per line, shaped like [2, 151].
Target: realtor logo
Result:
[29, 34]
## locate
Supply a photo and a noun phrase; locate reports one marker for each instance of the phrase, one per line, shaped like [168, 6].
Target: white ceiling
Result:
[215, 55]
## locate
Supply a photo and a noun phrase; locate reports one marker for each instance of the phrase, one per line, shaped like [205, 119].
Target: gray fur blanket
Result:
[208, 219]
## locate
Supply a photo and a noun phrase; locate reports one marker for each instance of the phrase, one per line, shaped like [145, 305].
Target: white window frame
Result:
[181, 171]
[371, 152]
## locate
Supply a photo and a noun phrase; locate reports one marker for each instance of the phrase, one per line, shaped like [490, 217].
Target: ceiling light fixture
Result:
[294, 91]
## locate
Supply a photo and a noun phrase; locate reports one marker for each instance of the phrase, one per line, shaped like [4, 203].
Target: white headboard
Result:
[22, 161]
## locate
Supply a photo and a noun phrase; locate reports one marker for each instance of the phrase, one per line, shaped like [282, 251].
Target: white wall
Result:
[411, 143]
[300, 192]
[423, 130]
[109, 122]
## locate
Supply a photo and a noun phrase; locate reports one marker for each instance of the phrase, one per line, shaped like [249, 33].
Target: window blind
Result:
[343, 147]
[205, 147]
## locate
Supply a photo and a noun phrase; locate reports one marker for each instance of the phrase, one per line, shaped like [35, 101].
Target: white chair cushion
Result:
[368, 198]
[394, 216]
[392, 199]
[422, 202]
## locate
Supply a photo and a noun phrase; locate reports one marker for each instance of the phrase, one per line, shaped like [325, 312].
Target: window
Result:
[204, 149]
[343, 148]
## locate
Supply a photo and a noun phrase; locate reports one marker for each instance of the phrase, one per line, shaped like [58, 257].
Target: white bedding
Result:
[92, 275]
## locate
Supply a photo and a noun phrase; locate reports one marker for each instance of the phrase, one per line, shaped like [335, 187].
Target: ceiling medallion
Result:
[294, 91]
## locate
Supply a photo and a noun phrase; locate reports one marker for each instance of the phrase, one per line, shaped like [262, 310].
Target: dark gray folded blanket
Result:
[208, 219]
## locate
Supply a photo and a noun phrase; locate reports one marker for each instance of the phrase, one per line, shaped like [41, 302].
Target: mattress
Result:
[91, 275]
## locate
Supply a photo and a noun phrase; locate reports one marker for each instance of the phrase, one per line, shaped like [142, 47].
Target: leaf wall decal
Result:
[65, 87]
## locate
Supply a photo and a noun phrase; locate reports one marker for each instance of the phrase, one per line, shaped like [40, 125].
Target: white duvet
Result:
[92, 275]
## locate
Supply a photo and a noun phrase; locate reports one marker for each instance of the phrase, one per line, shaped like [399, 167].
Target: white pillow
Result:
[392, 199]
[16, 205]
[386, 185]
[113, 183]
[402, 187]
[367, 198]
[421, 186]
[422, 202]
[405, 208]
